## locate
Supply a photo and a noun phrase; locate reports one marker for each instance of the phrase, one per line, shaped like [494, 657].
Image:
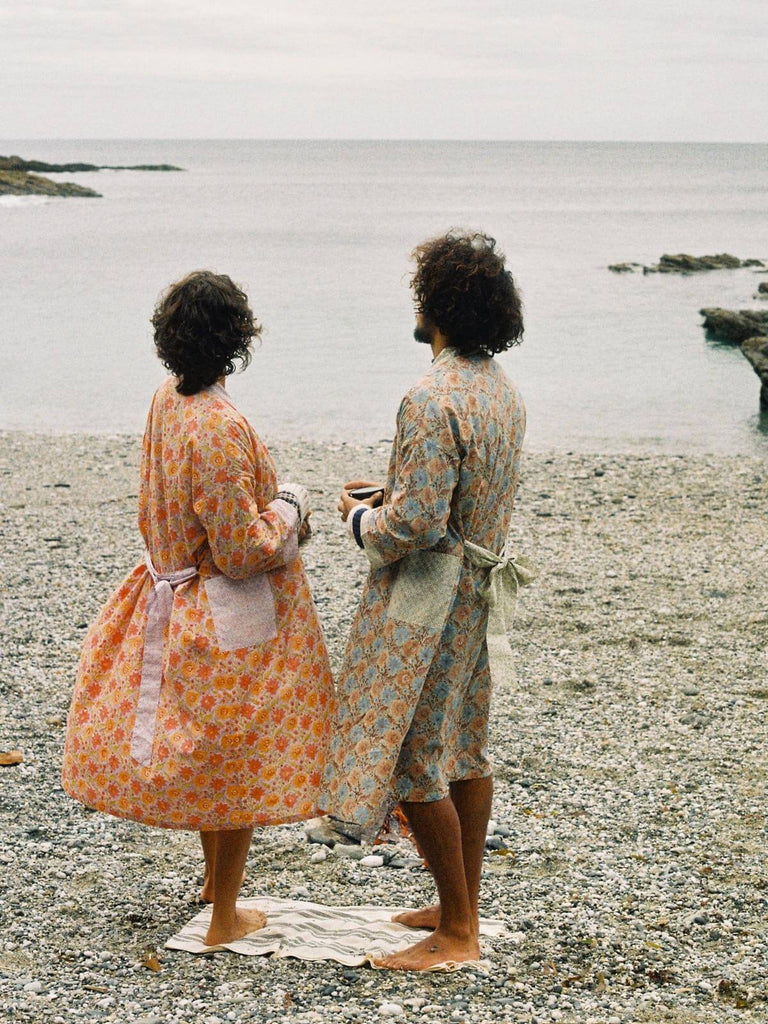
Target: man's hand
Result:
[347, 502]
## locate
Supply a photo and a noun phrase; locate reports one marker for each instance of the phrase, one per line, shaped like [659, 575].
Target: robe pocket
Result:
[243, 611]
[424, 588]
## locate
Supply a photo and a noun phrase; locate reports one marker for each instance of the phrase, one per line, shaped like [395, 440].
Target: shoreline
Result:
[631, 759]
[605, 448]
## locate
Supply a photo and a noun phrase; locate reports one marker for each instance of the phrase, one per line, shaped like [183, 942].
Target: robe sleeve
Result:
[244, 539]
[416, 512]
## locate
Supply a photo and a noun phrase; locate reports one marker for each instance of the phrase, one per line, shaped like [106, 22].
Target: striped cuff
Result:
[354, 523]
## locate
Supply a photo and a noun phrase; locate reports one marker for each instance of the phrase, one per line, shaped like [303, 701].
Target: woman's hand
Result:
[305, 531]
[347, 502]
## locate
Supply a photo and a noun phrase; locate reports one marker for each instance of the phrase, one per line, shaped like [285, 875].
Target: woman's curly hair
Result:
[462, 287]
[203, 325]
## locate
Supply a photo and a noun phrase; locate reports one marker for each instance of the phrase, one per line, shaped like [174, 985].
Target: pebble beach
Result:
[629, 858]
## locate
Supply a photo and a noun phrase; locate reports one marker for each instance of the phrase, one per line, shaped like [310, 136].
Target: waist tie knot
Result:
[158, 612]
[506, 575]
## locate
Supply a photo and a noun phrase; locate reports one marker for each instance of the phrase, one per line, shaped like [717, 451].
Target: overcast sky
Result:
[496, 69]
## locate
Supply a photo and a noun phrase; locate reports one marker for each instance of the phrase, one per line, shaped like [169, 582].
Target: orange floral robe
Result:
[235, 729]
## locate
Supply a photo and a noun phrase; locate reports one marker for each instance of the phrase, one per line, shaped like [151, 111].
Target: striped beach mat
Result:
[352, 936]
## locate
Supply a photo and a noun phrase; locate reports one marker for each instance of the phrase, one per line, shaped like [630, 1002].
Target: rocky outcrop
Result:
[747, 328]
[21, 183]
[17, 163]
[682, 263]
[735, 325]
[625, 268]
[756, 351]
[762, 290]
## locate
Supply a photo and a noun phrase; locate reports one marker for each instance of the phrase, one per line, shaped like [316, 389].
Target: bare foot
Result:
[245, 922]
[426, 918]
[435, 949]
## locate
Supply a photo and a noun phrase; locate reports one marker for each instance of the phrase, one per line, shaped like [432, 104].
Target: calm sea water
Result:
[319, 235]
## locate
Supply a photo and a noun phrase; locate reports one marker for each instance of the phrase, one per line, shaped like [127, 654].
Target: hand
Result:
[347, 502]
[305, 532]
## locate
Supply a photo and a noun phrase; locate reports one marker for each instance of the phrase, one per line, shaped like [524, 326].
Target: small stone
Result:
[373, 860]
[349, 852]
[319, 855]
[495, 843]
[35, 987]
[390, 1009]
[691, 691]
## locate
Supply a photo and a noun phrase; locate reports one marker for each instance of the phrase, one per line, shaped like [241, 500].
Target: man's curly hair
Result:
[203, 325]
[462, 287]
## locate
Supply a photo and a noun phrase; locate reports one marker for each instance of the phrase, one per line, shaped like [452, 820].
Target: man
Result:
[414, 689]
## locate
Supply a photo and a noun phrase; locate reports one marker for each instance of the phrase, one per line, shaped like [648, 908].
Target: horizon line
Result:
[411, 139]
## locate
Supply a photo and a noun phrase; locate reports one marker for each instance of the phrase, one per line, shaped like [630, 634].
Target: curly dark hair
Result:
[203, 325]
[462, 287]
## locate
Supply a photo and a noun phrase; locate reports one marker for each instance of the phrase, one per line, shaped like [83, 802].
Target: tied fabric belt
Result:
[499, 589]
[159, 605]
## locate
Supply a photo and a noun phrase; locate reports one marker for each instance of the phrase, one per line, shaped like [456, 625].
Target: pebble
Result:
[634, 838]
[349, 852]
[390, 1009]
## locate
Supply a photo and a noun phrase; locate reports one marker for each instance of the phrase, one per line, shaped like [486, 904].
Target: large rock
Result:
[756, 351]
[682, 263]
[735, 325]
[20, 183]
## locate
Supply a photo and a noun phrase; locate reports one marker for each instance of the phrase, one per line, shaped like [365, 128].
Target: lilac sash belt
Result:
[159, 606]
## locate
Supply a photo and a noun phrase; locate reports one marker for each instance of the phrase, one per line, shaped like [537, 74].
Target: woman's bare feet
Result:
[243, 923]
[435, 949]
[427, 918]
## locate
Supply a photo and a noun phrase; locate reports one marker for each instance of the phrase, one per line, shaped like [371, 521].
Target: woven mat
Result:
[352, 936]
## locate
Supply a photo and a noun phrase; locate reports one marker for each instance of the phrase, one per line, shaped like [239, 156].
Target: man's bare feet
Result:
[245, 922]
[435, 949]
[426, 918]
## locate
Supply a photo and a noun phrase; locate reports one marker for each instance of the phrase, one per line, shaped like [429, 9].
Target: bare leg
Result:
[227, 922]
[438, 832]
[208, 842]
[472, 799]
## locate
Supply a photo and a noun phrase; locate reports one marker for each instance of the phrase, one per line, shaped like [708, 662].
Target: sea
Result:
[319, 234]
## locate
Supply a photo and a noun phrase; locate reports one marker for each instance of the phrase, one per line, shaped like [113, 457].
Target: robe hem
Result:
[255, 821]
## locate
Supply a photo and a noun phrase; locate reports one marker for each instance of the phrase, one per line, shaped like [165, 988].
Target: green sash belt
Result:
[499, 589]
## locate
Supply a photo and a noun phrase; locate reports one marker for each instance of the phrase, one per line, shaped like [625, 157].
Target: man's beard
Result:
[423, 335]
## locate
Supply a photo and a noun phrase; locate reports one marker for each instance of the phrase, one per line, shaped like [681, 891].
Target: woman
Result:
[204, 694]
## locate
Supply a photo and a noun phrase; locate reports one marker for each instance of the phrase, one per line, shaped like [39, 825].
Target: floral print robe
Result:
[238, 731]
[419, 630]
